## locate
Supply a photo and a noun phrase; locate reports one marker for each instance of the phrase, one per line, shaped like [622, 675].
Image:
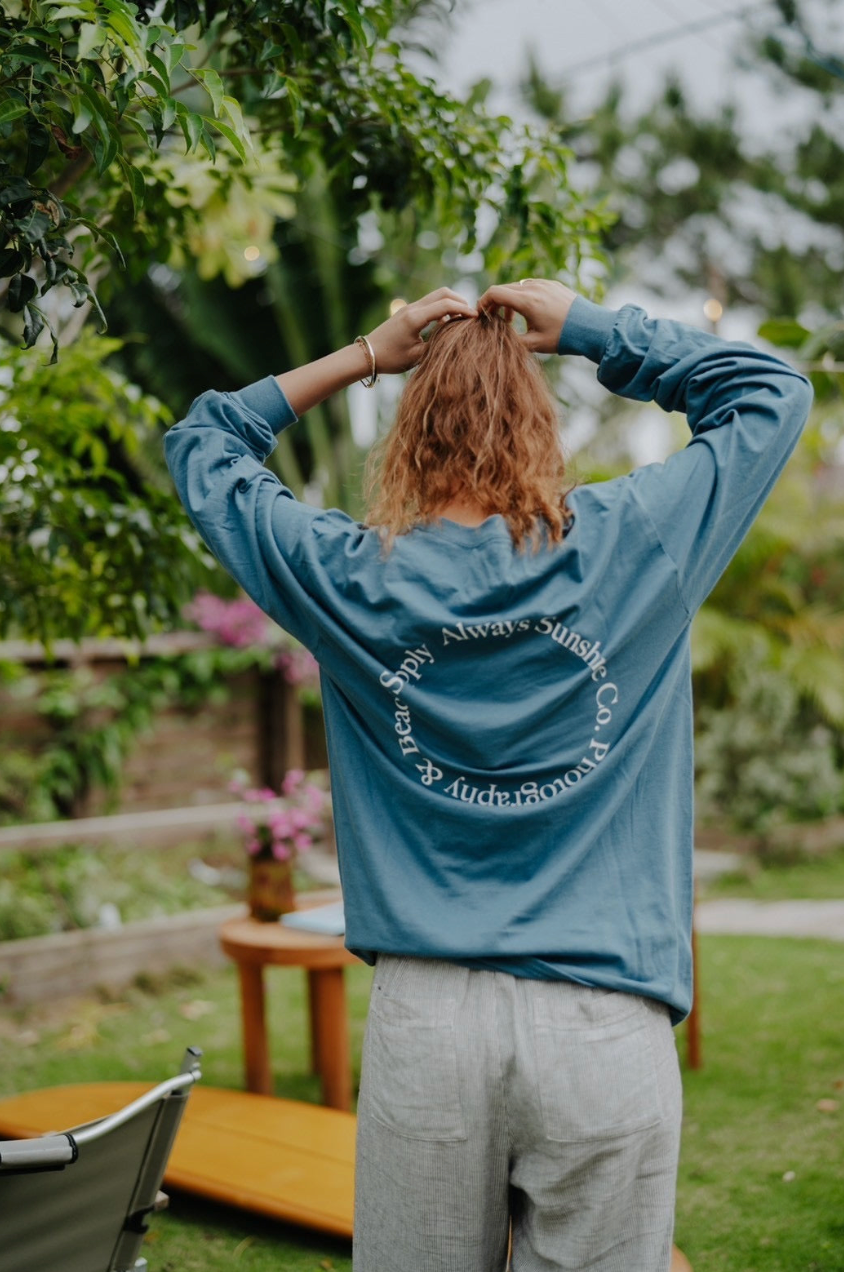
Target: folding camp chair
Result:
[78, 1201]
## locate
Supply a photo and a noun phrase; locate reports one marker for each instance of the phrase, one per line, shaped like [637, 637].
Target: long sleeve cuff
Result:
[587, 329]
[266, 399]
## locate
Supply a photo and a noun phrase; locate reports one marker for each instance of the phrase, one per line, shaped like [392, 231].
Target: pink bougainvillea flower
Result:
[315, 799]
[298, 666]
[282, 825]
[292, 779]
[239, 623]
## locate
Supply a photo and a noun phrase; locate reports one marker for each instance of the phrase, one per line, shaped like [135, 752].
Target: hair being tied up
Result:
[476, 420]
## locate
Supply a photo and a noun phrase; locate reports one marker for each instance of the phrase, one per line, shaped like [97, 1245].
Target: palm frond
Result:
[719, 638]
[818, 676]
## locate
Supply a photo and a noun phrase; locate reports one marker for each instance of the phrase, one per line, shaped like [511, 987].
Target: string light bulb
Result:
[713, 310]
[251, 253]
[396, 305]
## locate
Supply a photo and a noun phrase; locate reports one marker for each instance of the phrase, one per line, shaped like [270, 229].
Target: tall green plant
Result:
[94, 92]
[91, 542]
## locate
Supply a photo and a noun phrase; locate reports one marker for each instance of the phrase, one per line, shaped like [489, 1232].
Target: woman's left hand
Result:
[398, 344]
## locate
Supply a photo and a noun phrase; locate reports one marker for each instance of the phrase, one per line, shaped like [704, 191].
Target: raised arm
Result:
[745, 408]
[252, 523]
[396, 345]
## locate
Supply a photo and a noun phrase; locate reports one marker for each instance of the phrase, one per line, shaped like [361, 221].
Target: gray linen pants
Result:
[487, 1099]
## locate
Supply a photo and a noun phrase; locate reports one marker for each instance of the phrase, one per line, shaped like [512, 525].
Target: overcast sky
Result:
[583, 45]
[587, 42]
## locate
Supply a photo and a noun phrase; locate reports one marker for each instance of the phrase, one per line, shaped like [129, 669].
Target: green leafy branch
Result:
[94, 724]
[85, 86]
[92, 91]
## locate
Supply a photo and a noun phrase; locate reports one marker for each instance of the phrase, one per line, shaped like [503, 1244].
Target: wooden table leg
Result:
[331, 1036]
[256, 1052]
[316, 1065]
[693, 1044]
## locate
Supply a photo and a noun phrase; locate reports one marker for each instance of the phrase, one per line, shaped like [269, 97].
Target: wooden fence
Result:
[188, 756]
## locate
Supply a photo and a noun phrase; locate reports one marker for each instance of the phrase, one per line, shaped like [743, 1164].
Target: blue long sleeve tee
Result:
[510, 734]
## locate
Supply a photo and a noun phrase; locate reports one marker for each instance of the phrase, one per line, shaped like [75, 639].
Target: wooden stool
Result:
[254, 946]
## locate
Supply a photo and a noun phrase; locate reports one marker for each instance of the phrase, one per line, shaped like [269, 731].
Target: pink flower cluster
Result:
[298, 666]
[282, 827]
[240, 622]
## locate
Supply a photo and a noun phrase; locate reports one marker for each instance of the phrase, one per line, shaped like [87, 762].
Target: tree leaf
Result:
[11, 109]
[168, 114]
[207, 138]
[35, 224]
[11, 260]
[81, 11]
[155, 82]
[22, 290]
[33, 325]
[35, 320]
[231, 136]
[297, 110]
[292, 36]
[37, 146]
[232, 108]
[44, 36]
[92, 37]
[137, 187]
[191, 125]
[785, 332]
[83, 115]
[352, 20]
[122, 27]
[160, 68]
[272, 51]
[213, 85]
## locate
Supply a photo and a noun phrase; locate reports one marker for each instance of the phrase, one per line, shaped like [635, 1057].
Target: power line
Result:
[673, 11]
[663, 37]
[612, 17]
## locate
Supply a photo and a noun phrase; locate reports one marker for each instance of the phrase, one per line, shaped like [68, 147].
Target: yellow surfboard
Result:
[283, 1158]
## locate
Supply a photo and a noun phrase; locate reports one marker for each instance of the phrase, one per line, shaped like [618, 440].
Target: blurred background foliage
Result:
[237, 188]
[203, 172]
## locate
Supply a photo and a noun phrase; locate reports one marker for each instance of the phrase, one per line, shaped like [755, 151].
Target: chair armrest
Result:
[45, 1152]
[190, 1074]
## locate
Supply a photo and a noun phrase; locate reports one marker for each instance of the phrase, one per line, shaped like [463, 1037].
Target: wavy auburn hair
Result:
[476, 419]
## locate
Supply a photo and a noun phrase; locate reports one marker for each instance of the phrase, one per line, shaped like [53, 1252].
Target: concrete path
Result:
[740, 917]
[823, 919]
[772, 918]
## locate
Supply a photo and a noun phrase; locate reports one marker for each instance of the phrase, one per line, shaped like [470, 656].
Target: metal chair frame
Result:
[78, 1200]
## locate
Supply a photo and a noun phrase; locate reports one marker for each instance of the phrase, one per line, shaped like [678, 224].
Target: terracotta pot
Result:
[270, 889]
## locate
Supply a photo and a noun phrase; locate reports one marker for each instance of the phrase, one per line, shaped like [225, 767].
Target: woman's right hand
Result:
[543, 303]
[398, 345]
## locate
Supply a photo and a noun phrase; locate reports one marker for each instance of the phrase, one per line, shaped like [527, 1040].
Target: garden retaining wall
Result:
[68, 964]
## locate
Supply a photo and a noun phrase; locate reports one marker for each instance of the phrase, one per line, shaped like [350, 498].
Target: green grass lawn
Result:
[762, 1168]
[762, 1171]
[809, 878]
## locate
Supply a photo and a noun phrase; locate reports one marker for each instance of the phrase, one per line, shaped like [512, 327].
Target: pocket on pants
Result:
[595, 1064]
[410, 1068]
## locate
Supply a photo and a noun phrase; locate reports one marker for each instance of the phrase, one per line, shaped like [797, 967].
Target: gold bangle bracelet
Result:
[372, 380]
